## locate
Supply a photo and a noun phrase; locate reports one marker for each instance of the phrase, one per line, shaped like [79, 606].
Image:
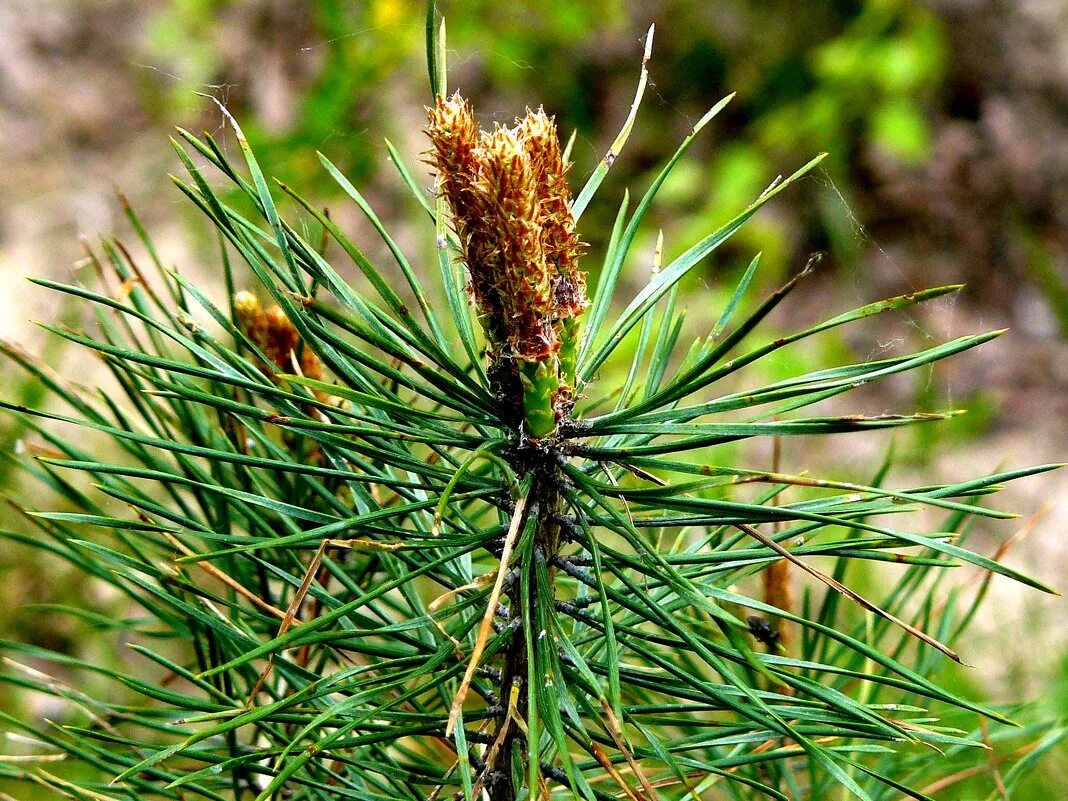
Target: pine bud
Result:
[275, 335]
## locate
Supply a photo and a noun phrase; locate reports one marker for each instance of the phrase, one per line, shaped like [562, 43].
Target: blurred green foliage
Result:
[335, 56]
[841, 77]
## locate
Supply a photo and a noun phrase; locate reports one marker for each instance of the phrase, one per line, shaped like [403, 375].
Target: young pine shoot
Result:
[407, 537]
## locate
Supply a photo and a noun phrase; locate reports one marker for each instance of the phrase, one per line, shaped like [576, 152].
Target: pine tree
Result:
[402, 542]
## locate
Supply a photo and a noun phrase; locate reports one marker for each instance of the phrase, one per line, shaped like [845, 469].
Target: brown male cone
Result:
[511, 211]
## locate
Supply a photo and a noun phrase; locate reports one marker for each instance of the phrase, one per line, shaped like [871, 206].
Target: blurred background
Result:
[947, 127]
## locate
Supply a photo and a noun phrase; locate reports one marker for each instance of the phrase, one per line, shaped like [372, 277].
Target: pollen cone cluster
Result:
[511, 210]
[273, 333]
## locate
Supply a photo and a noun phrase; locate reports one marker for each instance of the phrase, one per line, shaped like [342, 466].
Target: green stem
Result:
[541, 385]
